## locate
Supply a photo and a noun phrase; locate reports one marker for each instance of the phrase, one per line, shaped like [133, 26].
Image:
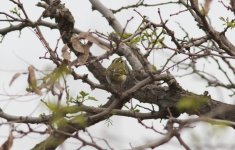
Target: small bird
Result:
[117, 72]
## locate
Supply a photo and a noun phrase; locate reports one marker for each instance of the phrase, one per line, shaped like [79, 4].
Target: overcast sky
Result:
[18, 53]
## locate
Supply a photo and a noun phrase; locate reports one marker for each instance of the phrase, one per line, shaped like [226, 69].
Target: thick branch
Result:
[107, 13]
[24, 119]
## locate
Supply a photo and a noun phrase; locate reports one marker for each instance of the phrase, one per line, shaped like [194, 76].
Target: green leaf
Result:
[227, 22]
[52, 106]
[56, 74]
[92, 98]
[191, 103]
[136, 110]
[126, 35]
[83, 94]
[154, 33]
[80, 120]
[59, 122]
[231, 24]
[135, 40]
[15, 11]
[154, 68]
[222, 18]
[78, 97]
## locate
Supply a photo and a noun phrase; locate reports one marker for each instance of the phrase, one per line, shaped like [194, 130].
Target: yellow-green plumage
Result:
[117, 72]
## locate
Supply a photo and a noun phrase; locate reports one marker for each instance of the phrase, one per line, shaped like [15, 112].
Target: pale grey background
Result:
[18, 53]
